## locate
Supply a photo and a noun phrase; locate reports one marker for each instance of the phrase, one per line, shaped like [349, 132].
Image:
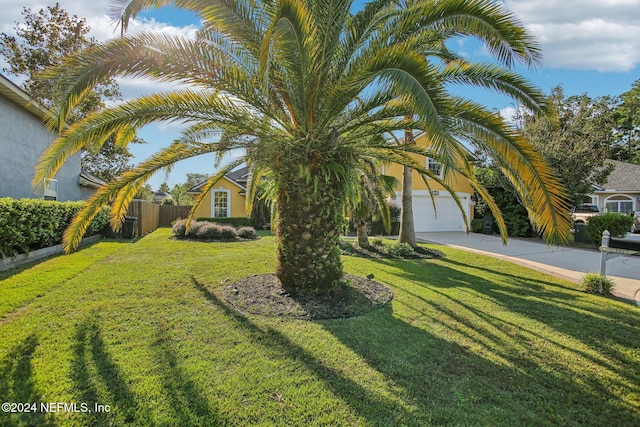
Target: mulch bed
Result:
[263, 295]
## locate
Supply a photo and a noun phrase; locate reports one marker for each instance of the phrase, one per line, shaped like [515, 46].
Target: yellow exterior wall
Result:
[237, 200]
[458, 182]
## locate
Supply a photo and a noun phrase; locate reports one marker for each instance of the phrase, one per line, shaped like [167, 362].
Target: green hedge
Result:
[617, 224]
[476, 225]
[239, 221]
[29, 224]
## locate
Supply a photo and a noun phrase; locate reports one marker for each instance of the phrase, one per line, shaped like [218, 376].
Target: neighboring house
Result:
[228, 197]
[23, 138]
[621, 193]
[161, 196]
[447, 215]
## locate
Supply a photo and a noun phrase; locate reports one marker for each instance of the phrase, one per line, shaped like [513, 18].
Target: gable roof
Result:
[625, 177]
[238, 177]
[90, 180]
[12, 92]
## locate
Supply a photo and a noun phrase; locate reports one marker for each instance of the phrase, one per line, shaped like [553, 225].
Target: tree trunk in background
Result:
[363, 238]
[407, 228]
[308, 224]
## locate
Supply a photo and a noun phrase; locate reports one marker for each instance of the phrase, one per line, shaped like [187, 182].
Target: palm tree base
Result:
[309, 220]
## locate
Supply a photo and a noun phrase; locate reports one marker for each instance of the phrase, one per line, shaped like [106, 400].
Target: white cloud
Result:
[96, 12]
[103, 27]
[508, 114]
[601, 35]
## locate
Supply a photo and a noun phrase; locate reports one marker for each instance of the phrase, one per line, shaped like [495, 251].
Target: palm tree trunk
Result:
[407, 228]
[363, 238]
[308, 227]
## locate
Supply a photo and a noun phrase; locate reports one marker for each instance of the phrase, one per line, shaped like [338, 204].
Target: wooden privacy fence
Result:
[151, 216]
[169, 213]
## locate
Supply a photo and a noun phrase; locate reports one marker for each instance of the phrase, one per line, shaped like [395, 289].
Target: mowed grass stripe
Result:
[467, 340]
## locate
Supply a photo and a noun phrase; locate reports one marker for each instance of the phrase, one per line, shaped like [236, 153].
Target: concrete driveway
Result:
[567, 263]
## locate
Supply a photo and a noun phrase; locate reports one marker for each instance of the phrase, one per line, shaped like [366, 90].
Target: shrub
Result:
[377, 242]
[617, 224]
[212, 230]
[228, 232]
[209, 231]
[233, 221]
[400, 250]
[591, 284]
[476, 225]
[29, 224]
[180, 227]
[346, 246]
[247, 232]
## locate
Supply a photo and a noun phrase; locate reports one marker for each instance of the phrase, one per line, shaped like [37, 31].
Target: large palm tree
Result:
[308, 89]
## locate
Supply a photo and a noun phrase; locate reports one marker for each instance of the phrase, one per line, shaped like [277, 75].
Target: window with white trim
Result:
[620, 204]
[50, 189]
[220, 203]
[434, 167]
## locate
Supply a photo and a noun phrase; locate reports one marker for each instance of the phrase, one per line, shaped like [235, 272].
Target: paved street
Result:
[565, 262]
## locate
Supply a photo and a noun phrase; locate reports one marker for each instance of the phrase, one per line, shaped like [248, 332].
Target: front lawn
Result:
[467, 340]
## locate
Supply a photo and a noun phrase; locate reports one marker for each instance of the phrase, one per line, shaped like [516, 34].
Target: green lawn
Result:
[467, 340]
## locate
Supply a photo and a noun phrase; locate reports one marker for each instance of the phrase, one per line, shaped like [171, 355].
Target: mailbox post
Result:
[604, 253]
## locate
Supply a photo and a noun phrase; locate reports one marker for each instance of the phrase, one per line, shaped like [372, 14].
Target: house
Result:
[621, 192]
[227, 198]
[23, 138]
[447, 215]
[160, 196]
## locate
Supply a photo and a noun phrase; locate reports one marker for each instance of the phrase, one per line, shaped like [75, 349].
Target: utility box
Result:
[129, 229]
[580, 233]
[487, 225]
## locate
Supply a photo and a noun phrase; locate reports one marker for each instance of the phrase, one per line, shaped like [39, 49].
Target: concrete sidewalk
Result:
[565, 262]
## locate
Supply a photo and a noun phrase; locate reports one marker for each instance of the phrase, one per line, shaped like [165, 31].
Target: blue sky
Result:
[589, 46]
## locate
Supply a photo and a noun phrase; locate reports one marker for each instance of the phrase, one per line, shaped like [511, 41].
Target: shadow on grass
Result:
[17, 385]
[435, 381]
[98, 379]
[189, 405]
[373, 407]
[566, 310]
[530, 384]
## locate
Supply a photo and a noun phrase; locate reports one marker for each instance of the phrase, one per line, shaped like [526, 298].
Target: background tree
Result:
[145, 193]
[310, 90]
[42, 41]
[164, 188]
[576, 141]
[407, 232]
[626, 144]
[108, 162]
[194, 179]
[180, 196]
[500, 188]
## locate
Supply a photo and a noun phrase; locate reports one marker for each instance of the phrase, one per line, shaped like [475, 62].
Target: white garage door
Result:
[447, 216]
